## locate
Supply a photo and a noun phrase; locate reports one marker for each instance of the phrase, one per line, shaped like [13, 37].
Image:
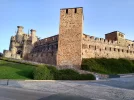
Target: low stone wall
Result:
[27, 62]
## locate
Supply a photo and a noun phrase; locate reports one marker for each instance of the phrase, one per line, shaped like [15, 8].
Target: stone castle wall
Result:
[98, 47]
[8, 54]
[45, 51]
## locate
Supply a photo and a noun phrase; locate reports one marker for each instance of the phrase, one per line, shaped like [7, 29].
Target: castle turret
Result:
[119, 37]
[33, 32]
[20, 30]
[19, 34]
[116, 36]
[12, 42]
[33, 35]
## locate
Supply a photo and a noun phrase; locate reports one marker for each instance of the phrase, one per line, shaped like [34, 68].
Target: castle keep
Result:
[21, 44]
[71, 45]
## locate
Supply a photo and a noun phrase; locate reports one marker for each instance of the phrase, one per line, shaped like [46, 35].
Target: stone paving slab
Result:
[3, 82]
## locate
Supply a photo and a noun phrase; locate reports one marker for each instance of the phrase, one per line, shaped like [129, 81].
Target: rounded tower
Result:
[19, 34]
[33, 35]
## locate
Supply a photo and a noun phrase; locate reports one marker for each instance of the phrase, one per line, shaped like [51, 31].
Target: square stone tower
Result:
[70, 37]
[116, 36]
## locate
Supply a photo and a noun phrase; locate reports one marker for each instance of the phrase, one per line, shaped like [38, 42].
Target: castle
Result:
[71, 45]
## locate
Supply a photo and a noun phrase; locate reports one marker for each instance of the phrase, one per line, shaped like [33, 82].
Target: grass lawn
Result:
[10, 70]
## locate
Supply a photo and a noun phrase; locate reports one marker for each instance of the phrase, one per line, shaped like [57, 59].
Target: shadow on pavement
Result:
[64, 97]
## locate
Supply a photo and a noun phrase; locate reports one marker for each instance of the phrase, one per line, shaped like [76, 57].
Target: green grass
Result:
[108, 66]
[11, 70]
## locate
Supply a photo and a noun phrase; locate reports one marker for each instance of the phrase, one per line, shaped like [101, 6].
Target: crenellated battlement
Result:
[47, 40]
[68, 11]
[98, 40]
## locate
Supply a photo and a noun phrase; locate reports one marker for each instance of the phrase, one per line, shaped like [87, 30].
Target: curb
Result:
[4, 82]
[17, 83]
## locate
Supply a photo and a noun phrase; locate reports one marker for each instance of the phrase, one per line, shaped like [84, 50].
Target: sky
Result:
[100, 17]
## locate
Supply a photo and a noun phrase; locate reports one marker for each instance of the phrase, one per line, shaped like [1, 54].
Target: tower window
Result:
[52, 53]
[95, 47]
[66, 11]
[75, 10]
[105, 48]
[127, 51]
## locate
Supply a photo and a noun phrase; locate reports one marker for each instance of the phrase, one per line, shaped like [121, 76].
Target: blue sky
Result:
[100, 17]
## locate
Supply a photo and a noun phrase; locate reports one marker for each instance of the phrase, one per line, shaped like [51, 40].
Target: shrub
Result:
[87, 77]
[50, 72]
[68, 74]
[54, 72]
[108, 66]
[42, 73]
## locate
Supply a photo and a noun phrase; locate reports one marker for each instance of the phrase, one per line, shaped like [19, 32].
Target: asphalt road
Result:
[109, 89]
[9, 93]
[123, 82]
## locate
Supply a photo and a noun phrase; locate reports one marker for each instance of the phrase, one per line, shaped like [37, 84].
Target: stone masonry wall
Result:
[98, 47]
[45, 51]
[70, 37]
[21, 44]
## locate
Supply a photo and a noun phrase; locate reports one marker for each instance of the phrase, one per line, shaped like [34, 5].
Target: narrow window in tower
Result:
[52, 53]
[66, 11]
[110, 49]
[105, 48]
[127, 51]
[95, 47]
[75, 10]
